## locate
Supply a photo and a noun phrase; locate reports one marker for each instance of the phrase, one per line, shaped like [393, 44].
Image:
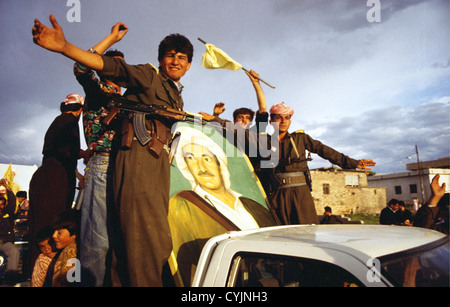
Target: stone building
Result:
[346, 192]
[415, 182]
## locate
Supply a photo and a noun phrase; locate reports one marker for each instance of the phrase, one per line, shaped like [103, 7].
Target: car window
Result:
[427, 266]
[265, 270]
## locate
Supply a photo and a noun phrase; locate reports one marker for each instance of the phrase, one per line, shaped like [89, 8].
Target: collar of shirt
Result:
[238, 215]
[178, 85]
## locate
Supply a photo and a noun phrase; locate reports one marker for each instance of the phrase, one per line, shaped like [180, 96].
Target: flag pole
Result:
[244, 69]
[202, 40]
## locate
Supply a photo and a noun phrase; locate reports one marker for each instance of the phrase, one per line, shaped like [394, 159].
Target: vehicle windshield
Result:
[427, 266]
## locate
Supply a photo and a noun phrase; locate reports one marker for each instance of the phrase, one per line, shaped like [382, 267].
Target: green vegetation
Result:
[365, 218]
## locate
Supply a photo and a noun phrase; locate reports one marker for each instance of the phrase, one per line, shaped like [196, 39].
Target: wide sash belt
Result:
[291, 179]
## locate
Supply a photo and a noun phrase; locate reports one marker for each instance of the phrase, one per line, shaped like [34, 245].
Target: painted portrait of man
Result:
[211, 207]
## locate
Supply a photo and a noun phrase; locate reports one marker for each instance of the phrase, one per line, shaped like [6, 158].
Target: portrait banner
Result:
[213, 190]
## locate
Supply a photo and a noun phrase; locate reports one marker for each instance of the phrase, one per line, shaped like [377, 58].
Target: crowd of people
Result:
[434, 214]
[125, 195]
[121, 234]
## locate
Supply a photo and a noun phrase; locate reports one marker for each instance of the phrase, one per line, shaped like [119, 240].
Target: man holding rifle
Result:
[141, 181]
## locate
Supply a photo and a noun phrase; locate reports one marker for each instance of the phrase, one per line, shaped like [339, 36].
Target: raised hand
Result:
[50, 39]
[254, 77]
[219, 108]
[119, 30]
[53, 39]
[438, 190]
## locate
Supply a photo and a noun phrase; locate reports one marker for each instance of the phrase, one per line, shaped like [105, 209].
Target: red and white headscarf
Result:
[74, 98]
[282, 109]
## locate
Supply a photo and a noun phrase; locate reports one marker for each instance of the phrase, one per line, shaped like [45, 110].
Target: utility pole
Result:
[420, 174]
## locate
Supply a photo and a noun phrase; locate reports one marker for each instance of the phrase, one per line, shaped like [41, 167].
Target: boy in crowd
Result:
[66, 226]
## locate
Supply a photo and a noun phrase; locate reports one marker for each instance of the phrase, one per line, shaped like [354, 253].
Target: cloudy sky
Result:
[368, 89]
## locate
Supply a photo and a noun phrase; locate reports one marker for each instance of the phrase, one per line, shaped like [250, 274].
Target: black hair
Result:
[114, 52]
[243, 111]
[176, 42]
[21, 194]
[44, 234]
[393, 201]
[69, 220]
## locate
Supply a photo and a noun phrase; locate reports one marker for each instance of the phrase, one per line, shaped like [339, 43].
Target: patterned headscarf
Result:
[282, 109]
[74, 98]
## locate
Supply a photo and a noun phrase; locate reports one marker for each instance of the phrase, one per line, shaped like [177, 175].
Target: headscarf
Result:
[74, 98]
[193, 136]
[282, 109]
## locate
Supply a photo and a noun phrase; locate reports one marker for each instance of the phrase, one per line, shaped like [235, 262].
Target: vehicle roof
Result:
[371, 240]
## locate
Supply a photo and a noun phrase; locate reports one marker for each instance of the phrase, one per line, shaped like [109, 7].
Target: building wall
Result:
[401, 185]
[439, 163]
[342, 197]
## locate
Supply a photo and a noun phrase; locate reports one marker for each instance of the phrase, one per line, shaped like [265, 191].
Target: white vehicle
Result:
[325, 255]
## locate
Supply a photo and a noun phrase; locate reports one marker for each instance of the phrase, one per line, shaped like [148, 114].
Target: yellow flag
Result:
[215, 58]
[9, 176]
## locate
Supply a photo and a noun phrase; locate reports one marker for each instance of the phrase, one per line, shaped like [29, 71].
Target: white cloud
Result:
[390, 134]
[369, 90]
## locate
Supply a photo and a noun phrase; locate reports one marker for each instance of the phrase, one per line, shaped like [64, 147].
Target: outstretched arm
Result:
[54, 40]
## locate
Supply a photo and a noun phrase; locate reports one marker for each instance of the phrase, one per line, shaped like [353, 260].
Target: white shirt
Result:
[239, 215]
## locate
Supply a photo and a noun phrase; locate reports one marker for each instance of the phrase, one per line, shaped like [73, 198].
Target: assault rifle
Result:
[138, 112]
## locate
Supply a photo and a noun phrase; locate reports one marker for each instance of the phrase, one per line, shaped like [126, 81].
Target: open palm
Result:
[50, 39]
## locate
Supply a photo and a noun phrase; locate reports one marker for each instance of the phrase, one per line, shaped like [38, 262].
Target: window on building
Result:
[326, 188]
[352, 180]
[398, 189]
[413, 188]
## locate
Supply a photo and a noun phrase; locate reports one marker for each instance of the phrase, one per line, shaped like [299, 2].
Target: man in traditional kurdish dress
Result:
[290, 195]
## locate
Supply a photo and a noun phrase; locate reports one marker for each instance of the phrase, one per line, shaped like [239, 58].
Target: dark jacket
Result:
[331, 219]
[7, 219]
[142, 181]
[426, 217]
[6, 229]
[388, 217]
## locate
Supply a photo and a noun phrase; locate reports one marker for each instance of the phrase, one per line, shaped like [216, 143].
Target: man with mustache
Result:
[212, 207]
